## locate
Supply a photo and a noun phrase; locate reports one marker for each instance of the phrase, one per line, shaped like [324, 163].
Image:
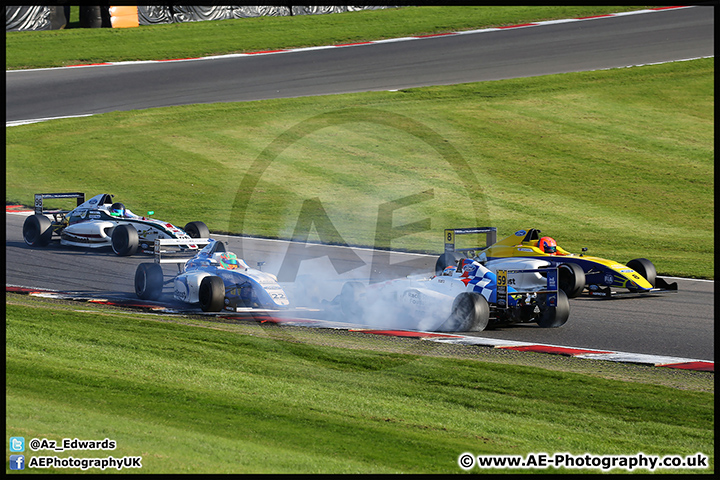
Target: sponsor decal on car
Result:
[181, 294]
[552, 281]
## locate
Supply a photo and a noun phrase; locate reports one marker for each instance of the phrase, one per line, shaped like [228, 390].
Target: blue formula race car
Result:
[214, 278]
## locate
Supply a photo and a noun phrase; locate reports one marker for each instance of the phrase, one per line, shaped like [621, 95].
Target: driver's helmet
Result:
[229, 260]
[547, 245]
[117, 209]
[449, 271]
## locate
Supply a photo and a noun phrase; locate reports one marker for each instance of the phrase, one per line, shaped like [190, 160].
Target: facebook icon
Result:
[17, 462]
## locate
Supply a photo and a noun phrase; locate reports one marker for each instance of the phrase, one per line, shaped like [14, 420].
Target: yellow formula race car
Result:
[577, 273]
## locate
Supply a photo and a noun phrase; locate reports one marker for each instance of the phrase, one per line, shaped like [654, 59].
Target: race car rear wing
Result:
[182, 251]
[490, 237]
[39, 197]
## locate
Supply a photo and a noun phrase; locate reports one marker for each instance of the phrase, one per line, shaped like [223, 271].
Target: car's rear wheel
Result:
[553, 317]
[470, 313]
[148, 281]
[197, 230]
[351, 300]
[644, 267]
[572, 279]
[212, 294]
[445, 260]
[37, 230]
[125, 240]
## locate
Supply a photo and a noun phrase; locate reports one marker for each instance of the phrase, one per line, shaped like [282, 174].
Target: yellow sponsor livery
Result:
[524, 243]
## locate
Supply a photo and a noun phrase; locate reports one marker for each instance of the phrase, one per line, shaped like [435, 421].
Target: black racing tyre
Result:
[644, 267]
[470, 313]
[125, 240]
[197, 230]
[553, 317]
[572, 279]
[148, 281]
[445, 260]
[212, 294]
[351, 300]
[37, 230]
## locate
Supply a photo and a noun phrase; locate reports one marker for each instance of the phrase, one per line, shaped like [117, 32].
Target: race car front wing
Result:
[661, 287]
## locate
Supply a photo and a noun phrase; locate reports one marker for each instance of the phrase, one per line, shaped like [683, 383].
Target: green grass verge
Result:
[620, 161]
[191, 396]
[194, 39]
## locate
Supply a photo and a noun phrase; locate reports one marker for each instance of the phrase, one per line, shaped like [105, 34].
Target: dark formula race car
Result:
[100, 222]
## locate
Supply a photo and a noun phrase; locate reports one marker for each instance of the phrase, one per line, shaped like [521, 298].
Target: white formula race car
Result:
[466, 296]
[214, 278]
[100, 222]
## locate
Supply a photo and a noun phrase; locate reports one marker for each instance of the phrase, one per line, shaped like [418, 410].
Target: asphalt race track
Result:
[679, 324]
[523, 52]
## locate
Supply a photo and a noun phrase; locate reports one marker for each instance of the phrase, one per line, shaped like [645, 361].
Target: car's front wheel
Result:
[197, 230]
[37, 230]
[644, 267]
[148, 281]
